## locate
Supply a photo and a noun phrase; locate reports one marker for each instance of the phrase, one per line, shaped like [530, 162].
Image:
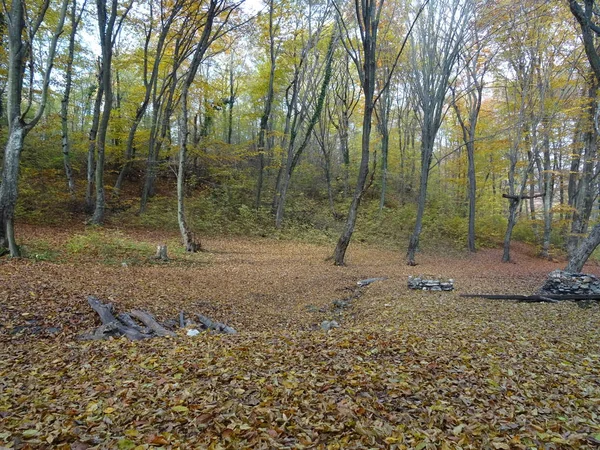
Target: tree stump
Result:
[161, 253]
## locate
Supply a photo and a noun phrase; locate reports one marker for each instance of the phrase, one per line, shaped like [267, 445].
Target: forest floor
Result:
[406, 369]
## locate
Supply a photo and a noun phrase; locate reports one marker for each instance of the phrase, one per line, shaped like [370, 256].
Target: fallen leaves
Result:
[407, 370]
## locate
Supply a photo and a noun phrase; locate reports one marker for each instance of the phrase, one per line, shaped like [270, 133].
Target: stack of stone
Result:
[565, 283]
[425, 284]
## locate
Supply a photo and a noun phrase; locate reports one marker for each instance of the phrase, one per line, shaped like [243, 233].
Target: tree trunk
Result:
[9, 187]
[64, 104]
[264, 119]
[427, 142]
[384, 163]
[91, 156]
[282, 196]
[19, 50]
[512, 220]
[186, 234]
[158, 134]
[339, 254]
[584, 251]
[105, 27]
[472, 194]
[548, 190]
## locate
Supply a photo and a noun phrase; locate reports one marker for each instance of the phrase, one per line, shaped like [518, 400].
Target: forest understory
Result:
[405, 369]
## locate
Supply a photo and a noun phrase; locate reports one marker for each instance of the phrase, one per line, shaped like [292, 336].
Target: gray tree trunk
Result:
[266, 115]
[207, 37]
[294, 151]
[19, 50]
[91, 155]
[107, 33]
[149, 85]
[584, 251]
[427, 142]
[64, 104]
[434, 54]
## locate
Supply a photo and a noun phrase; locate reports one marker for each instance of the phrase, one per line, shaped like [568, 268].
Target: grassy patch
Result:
[109, 247]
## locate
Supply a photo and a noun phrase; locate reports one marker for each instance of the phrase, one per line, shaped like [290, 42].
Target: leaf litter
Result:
[406, 369]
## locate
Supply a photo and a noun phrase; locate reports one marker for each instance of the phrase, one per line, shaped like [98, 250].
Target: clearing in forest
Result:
[406, 369]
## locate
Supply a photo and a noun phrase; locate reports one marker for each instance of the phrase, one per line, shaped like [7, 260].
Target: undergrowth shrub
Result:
[39, 250]
[109, 246]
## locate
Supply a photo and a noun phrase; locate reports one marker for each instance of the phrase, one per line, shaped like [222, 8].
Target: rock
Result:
[341, 304]
[327, 325]
[430, 284]
[368, 281]
[560, 282]
[193, 332]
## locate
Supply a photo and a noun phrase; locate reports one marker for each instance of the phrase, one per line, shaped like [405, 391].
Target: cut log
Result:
[150, 322]
[215, 326]
[105, 311]
[104, 331]
[127, 320]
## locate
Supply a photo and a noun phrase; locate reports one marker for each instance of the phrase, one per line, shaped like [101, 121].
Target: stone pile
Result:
[425, 284]
[565, 283]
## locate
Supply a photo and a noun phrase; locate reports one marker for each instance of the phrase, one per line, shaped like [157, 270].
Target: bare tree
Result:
[266, 114]
[346, 97]
[75, 19]
[435, 49]
[586, 14]
[304, 106]
[367, 16]
[108, 28]
[167, 14]
[23, 28]
[584, 169]
[477, 64]
[213, 23]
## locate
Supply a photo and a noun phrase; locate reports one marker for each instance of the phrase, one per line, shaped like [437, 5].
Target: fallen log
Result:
[127, 320]
[547, 298]
[215, 326]
[113, 325]
[124, 324]
[150, 322]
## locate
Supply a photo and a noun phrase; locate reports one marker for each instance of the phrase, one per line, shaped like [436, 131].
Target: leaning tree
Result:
[586, 13]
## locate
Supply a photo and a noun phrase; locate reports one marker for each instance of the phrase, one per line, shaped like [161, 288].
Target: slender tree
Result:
[477, 65]
[266, 114]
[367, 15]
[23, 28]
[435, 49]
[586, 13]
[213, 23]
[109, 27]
[75, 19]
[167, 14]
